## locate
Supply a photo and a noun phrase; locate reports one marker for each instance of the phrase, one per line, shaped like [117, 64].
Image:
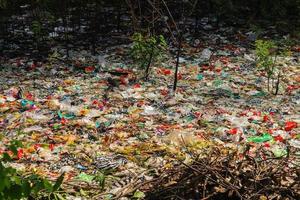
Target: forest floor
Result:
[116, 136]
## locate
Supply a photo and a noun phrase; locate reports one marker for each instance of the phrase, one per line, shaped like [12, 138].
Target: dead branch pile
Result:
[226, 176]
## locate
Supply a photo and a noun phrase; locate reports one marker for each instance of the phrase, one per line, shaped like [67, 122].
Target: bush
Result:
[14, 185]
[267, 53]
[146, 50]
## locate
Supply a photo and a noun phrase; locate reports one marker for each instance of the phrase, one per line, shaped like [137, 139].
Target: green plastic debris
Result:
[141, 125]
[85, 177]
[260, 94]
[252, 131]
[65, 116]
[77, 87]
[236, 96]
[190, 118]
[60, 115]
[279, 152]
[199, 77]
[108, 197]
[69, 116]
[97, 124]
[218, 82]
[224, 75]
[56, 126]
[143, 136]
[258, 139]
[107, 123]
[25, 103]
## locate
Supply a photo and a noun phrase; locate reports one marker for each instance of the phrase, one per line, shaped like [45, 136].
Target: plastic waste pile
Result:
[77, 123]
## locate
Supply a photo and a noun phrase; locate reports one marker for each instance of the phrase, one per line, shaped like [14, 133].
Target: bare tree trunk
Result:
[149, 64]
[268, 83]
[133, 16]
[177, 63]
[277, 83]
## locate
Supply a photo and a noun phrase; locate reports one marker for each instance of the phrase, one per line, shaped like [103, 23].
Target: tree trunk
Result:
[149, 64]
[277, 84]
[177, 64]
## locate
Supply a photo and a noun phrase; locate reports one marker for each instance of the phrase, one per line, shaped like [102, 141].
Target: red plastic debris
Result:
[29, 96]
[51, 147]
[33, 66]
[166, 72]
[233, 131]
[267, 145]
[37, 146]
[179, 76]
[270, 131]
[218, 70]
[272, 113]
[256, 113]
[265, 118]
[197, 114]
[137, 85]
[123, 80]
[89, 69]
[278, 138]
[164, 92]
[20, 153]
[63, 121]
[95, 102]
[290, 125]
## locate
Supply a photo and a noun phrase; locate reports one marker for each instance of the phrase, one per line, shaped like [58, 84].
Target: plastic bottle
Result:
[295, 143]
[258, 139]
[278, 151]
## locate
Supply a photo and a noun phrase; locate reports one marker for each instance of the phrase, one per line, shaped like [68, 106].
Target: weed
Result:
[146, 50]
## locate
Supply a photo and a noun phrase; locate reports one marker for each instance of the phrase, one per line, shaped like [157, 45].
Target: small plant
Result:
[267, 53]
[14, 185]
[3, 4]
[100, 178]
[264, 57]
[146, 50]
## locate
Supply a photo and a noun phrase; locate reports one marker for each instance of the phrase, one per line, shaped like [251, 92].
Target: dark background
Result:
[27, 27]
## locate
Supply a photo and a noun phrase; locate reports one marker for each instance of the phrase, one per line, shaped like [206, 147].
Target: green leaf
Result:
[139, 195]
[15, 192]
[38, 185]
[59, 196]
[85, 177]
[83, 193]
[47, 185]
[58, 182]
[14, 149]
[6, 157]
[26, 189]
[100, 178]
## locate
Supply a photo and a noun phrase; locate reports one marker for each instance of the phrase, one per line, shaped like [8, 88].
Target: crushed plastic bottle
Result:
[65, 116]
[258, 139]
[206, 54]
[149, 110]
[295, 143]
[278, 151]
